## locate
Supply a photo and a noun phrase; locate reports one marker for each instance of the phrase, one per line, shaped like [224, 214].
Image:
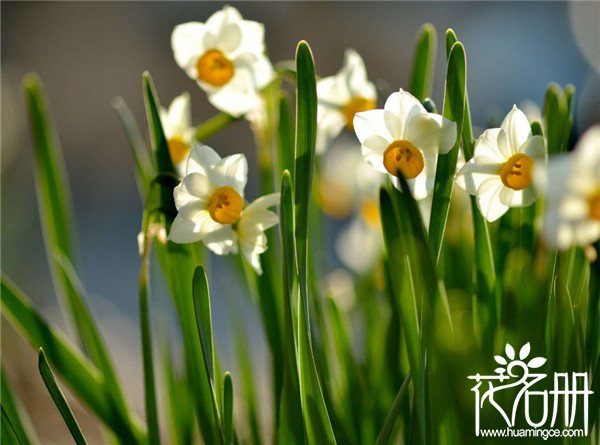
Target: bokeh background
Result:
[87, 53]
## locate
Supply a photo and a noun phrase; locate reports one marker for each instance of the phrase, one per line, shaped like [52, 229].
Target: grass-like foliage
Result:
[447, 292]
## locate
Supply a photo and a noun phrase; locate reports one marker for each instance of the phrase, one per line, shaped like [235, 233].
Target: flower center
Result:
[178, 149]
[516, 173]
[594, 204]
[214, 68]
[356, 105]
[370, 213]
[225, 206]
[403, 156]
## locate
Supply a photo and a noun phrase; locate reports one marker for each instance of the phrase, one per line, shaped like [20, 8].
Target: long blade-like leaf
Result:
[19, 420]
[228, 407]
[316, 419]
[454, 106]
[59, 399]
[81, 375]
[423, 65]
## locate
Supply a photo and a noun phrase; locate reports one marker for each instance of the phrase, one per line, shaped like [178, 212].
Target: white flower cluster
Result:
[509, 168]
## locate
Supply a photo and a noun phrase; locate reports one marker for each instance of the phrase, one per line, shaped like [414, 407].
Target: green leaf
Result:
[18, 418]
[451, 39]
[228, 407]
[202, 310]
[144, 162]
[424, 59]
[147, 355]
[59, 399]
[316, 419]
[160, 147]
[95, 346]
[213, 125]
[203, 318]
[306, 133]
[454, 107]
[395, 411]
[178, 263]
[289, 430]
[79, 373]
[54, 199]
[556, 118]
[285, 136]
[7, 430]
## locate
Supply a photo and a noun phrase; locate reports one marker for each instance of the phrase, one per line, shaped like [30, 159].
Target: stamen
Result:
[517, 172]
[214, 68]
[225, 206]
[356, 105]
[594, 206]
[403, 156]
[178, 149]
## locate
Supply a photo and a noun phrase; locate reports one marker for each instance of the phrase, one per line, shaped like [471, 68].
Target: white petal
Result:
[517, 129]
[180, 114]
[221, 241]
[474, 172]
[587, 153]
[253, 36]
[194, 187]
[358, 84]
[332, 92]
[394, 125]
[488, 199]
[370, 123]
[201, 159]
[374, 156]
[187, 44]
[263, 203]
[488, 144]
[184, 230]
[422, 186]
[517, 198]
[238, 96]
[404, 105]
[223, 30]
[330, 123]
[263, 71]
[231, 171]
[535, 147]
[431, 132]
[447, 133]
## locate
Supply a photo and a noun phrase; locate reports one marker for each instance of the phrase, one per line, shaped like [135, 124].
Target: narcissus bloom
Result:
[405, 137]
[226, 57]
[210, 196]
[501, 171]
[349, 188]
[248, 232]
[572, 184]
[340, 97]
[211, 207]
[177, 126]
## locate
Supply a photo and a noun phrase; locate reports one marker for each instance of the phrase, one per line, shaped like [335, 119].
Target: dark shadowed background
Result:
[88, 53]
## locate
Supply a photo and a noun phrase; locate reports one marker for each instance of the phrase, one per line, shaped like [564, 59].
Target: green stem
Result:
[213, 125]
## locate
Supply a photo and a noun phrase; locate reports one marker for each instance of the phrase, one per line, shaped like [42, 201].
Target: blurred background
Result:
[88, 53]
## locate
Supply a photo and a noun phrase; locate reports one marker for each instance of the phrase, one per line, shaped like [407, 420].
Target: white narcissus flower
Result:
[572, 185]
[340, 97]
[501, 171]
[210, 197]
[405, 137]
[226, 56]
[248, 233]
[177, 126]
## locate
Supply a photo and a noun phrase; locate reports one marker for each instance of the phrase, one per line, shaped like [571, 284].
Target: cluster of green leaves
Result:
[436, 303]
